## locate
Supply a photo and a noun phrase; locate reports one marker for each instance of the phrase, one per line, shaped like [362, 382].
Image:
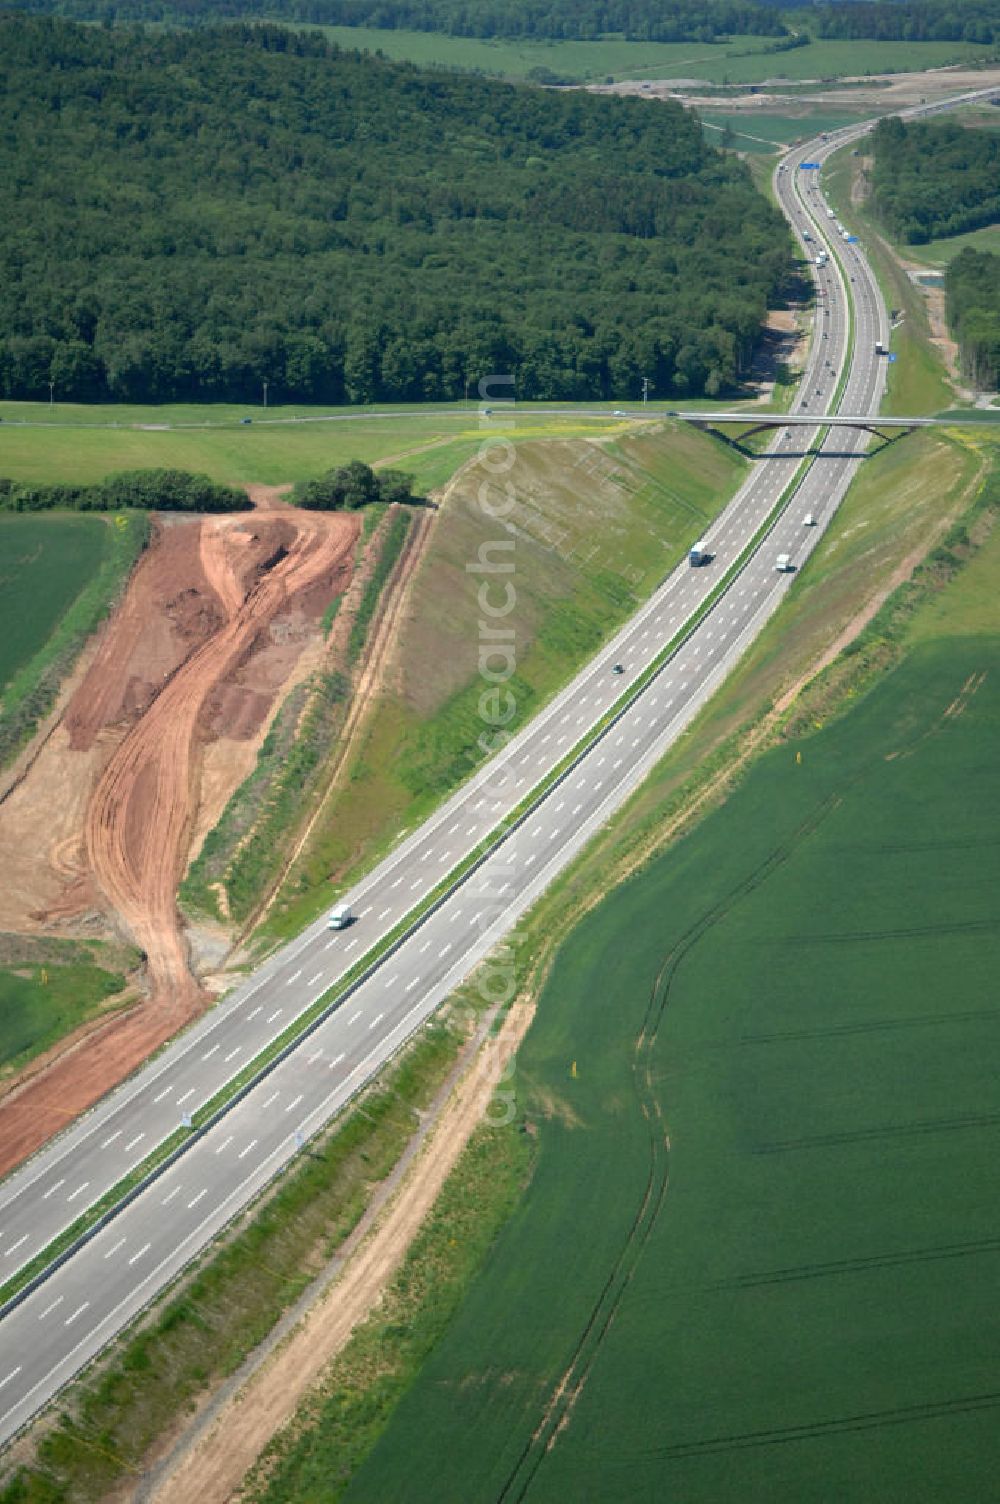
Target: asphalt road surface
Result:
[53, 1331]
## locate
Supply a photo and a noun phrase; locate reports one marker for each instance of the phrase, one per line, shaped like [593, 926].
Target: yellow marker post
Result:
[572, 1070]
[798, 757]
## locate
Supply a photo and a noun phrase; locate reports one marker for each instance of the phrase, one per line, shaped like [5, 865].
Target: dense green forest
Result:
[140, 490]
[976, 21]
[934, 179]
[186, 215]
[911, 20]
[972, 291]
[641, 20]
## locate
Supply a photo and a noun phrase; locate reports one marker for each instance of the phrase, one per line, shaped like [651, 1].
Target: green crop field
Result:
[742, 59]
[760, 1243]
[44, 564]
[40, 1004]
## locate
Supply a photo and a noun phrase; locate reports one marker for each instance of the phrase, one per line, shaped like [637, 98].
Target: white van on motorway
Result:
[339, 917]
[783, 563]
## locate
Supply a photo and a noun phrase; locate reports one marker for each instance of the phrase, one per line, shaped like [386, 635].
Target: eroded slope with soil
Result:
[221, 615]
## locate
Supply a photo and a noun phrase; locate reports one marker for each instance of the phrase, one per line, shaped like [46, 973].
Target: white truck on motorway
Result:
[783, 563]
[340, 917]
[699, 553]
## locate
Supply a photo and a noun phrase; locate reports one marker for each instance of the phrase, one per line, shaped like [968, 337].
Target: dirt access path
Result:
[217, 1449]
[142, 807]
[97, 834]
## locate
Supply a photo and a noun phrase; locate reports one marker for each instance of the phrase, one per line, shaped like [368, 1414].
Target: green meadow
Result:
[85, 443]
[937, 253]
[742, 59]
[746, 130]
[758, 1255]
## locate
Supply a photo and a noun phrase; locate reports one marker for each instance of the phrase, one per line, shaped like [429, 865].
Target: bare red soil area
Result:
[220, 615]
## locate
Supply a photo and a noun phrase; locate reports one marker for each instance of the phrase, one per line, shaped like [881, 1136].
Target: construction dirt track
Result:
[218, 615]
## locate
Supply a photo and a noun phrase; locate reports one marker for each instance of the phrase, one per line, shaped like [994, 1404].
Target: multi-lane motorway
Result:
[49, 1334]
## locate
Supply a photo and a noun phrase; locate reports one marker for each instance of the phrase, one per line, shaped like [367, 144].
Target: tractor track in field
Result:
[559, 1407]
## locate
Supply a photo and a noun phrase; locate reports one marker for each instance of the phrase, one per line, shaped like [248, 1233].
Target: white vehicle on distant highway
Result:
[699, 553]
[783, 563]
[339, 917]
[809, 520]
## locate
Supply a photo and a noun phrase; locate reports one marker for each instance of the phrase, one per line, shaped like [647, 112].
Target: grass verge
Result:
[385, 1354]
[241, 855]
[918, 383]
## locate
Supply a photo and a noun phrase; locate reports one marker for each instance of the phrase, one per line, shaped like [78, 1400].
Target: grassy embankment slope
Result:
[597, 526]
[763, 1077]
[918, 381]
[58, 576]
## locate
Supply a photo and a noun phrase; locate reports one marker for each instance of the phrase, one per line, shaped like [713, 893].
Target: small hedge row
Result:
[141, 490]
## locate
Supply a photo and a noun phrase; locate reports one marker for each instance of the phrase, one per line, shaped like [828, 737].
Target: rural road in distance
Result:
[55, 1329]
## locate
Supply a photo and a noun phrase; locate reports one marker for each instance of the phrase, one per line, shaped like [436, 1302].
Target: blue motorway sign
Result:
[810, 166]
[852, 240]
[890, 357]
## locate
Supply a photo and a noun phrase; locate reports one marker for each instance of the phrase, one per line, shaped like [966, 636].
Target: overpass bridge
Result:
[807, 420]
[753, 423]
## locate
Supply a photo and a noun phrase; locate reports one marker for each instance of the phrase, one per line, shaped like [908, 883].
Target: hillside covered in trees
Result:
[976, 21]
[188, 215]
[910, 20]
[932, 179]
[972, 292]
[640, 20]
